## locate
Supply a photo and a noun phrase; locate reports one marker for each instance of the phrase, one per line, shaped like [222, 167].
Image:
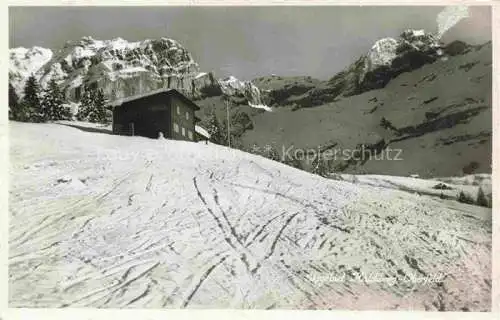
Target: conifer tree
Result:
[481, 199]
[31, 101]
[93, 106]
[53, 102]
[15, 111]
[214, 128]
[465, 198]
[85, 105]
[98, 107]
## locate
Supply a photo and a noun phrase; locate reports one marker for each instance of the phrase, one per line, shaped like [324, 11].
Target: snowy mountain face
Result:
[231, 86]
[25, 62]
[122, 69]
[385, 51]
[382, 53]
[386, 59]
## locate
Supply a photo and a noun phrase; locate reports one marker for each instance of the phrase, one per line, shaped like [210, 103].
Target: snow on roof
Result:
[201, 131]
[138, 96]
[121, 101]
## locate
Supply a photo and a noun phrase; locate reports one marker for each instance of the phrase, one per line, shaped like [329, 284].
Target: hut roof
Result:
[164, 91]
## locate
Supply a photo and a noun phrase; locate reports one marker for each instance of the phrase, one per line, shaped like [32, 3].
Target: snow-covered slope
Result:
[122, 68]
[111, 221]
[449, 187]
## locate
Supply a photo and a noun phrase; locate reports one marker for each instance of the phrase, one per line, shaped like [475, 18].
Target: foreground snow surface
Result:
[98, 220]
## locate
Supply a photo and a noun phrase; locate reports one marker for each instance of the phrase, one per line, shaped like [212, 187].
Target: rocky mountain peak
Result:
[24, 62]
[123, 68]
[386, 59]
[382, 53]
[413, 35]
[386, 50]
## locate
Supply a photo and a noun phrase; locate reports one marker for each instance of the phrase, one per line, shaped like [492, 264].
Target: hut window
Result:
[187, 115]
[78, 93]
[178, 110]
[176, 127]
[183, 131]
[190, 134]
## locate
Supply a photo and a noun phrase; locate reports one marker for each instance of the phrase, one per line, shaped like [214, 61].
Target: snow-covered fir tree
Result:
[15, 111]
[93, 107]
[33, 110]
[53, 103]
[214, 128]
[98, 110]
[85, 105]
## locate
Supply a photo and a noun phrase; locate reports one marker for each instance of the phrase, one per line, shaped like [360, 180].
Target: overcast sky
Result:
[246, 42]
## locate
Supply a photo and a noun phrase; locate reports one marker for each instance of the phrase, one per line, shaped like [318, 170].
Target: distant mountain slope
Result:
[98, 220]
[440, 113]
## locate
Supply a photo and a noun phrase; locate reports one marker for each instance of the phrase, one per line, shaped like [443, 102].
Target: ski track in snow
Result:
[157, 223]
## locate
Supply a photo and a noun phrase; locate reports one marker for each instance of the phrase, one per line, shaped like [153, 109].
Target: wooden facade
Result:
[165, 111]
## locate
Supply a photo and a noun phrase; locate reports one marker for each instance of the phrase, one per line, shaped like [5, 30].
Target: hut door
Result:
[131, 128]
